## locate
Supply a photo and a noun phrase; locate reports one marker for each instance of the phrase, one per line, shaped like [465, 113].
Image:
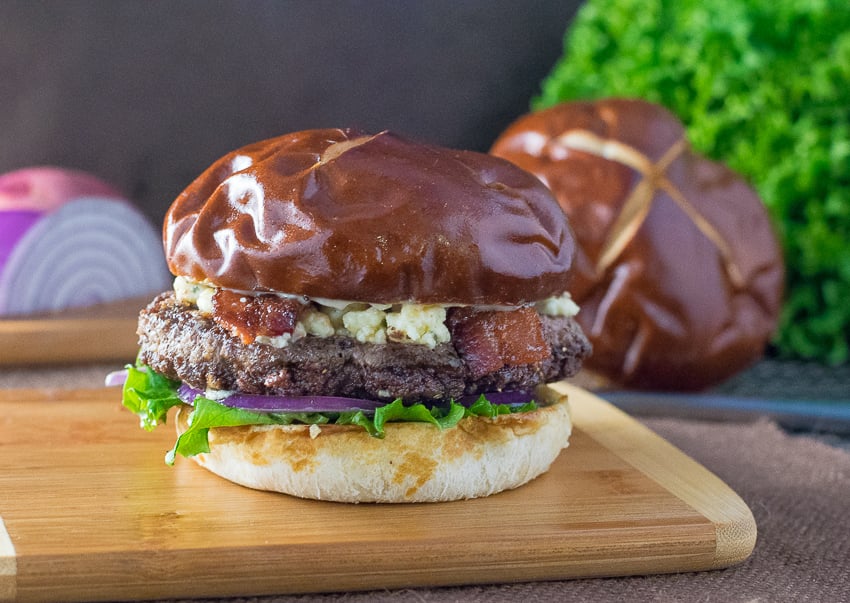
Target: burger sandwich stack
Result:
[363, 318]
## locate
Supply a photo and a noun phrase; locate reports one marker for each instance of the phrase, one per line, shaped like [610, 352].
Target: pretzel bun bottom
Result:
[414, 462]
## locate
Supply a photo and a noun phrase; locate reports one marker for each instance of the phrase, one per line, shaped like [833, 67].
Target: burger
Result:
[362, 318]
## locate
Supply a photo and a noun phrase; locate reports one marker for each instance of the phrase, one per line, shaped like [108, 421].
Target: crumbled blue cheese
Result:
[217, 394]
[423, 324]
[317, 323]
[197, 294]
[558, 306]
[281, 341]
[186, 290]
[418, 323]
[366, 326]
[375, 323]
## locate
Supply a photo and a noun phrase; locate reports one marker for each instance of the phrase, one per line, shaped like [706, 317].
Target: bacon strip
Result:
[490, 340]
[249, 317]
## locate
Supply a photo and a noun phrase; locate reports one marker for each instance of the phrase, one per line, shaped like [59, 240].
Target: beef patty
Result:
[179, 342]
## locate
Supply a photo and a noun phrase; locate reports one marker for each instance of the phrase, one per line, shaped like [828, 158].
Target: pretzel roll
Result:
[678, 270]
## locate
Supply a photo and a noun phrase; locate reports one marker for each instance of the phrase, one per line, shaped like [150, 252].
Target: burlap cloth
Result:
[797, 486]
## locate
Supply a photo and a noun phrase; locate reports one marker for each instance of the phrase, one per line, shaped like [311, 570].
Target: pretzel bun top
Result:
[345, 215]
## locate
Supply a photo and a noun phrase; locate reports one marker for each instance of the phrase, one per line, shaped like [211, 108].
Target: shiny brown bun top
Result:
[678, 271]
[345, 215]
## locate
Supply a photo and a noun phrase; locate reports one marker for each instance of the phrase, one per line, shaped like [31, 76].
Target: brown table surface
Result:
[797, 485]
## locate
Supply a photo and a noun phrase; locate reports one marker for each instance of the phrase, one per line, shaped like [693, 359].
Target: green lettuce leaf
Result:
[483, 408]
[207, 413]
[151, 396]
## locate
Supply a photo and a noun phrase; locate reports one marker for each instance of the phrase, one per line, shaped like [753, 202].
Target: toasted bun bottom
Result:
[414, 462]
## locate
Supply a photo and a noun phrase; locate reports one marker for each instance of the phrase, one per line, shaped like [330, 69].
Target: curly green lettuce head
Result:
[761, 85]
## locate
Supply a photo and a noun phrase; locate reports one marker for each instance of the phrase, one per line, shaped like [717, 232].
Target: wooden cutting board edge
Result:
[67, 341]
[735, 526]
[103, 332]
[8, 566]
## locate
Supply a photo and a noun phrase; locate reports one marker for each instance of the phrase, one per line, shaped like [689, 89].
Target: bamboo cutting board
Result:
[88, 511]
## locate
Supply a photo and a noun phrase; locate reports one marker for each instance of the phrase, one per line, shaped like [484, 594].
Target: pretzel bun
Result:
[339, 214]
[678, 271]
[414, 462]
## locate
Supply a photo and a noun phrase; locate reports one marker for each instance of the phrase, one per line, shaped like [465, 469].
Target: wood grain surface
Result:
[8, 565]
[103, 332]
[92, 513]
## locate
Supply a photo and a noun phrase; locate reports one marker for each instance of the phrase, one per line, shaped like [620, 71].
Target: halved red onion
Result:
[45, 188]
[259, 403]
[90, 250]
[14, 224]
[28, 194]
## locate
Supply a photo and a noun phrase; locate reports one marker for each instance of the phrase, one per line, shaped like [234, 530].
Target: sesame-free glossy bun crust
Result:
[669, 311]
[344, 215]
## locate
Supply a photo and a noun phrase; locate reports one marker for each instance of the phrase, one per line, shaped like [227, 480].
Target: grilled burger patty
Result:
[180, 343]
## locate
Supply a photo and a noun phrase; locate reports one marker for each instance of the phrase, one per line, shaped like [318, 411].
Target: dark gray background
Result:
[147, 94]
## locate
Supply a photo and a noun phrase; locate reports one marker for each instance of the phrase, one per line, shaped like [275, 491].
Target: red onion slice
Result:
[511, 398]
[258, 403]
[115, 378]
[91, 250]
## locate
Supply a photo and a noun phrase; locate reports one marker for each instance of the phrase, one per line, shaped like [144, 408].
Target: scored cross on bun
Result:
[341, 272]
